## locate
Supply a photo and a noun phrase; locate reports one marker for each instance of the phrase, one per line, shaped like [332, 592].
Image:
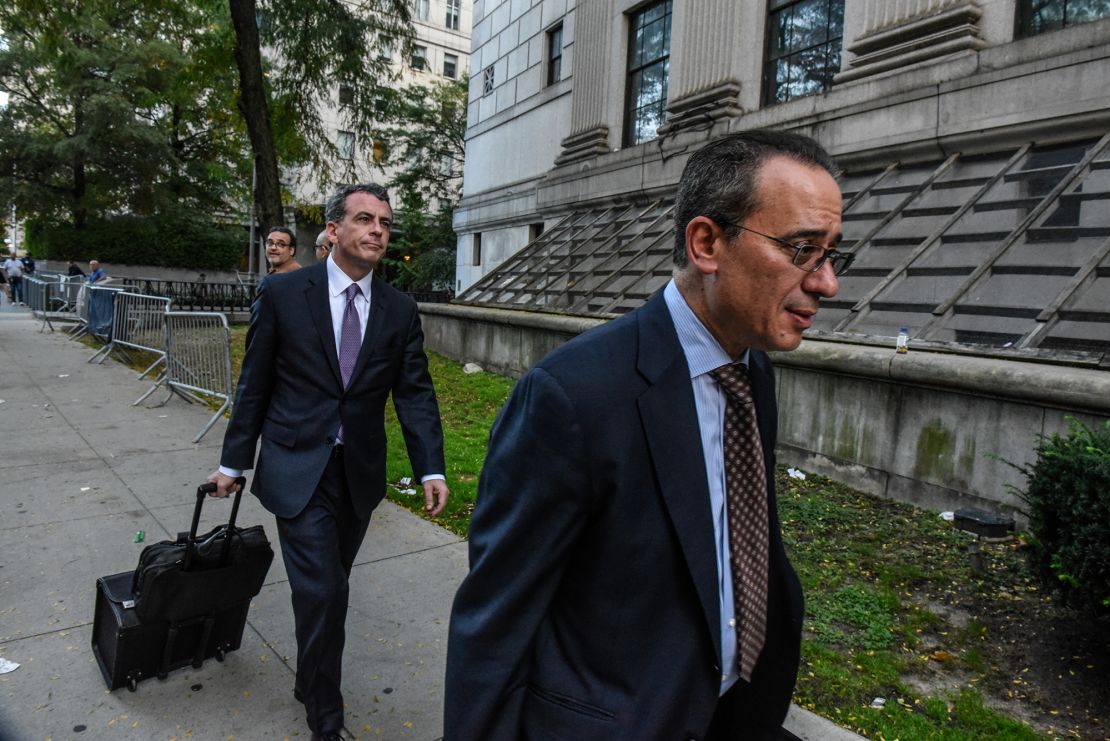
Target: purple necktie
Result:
[350, 335]
[350, 340]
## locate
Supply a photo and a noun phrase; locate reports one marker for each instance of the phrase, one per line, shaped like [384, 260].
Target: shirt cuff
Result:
[433, 477]
[232, 472]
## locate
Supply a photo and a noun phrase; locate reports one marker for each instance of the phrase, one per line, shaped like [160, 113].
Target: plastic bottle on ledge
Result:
[903, 343]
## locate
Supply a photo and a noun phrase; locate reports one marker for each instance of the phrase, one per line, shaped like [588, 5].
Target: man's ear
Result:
[704, 242]
[330, 229]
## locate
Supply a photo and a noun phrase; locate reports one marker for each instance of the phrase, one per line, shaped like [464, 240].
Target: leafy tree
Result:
[425, 129]
[115, 106]
[312, 47]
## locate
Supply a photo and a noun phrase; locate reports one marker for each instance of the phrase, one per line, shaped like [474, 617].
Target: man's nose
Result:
[823, 282]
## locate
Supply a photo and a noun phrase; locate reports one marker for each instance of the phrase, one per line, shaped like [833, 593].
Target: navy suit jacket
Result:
[591, 607]
[291, 394]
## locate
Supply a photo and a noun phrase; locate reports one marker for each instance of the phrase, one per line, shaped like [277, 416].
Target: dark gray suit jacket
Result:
[291, 395]
[591, 607]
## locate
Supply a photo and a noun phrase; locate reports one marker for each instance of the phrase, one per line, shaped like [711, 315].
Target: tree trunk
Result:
[256, 111]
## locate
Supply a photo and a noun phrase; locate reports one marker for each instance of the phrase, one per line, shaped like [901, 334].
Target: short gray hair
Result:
[336, 207]
[719, 179]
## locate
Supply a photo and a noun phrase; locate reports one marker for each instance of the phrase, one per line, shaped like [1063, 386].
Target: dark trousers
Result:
[17, 289]
[319, 547]
[732, 709]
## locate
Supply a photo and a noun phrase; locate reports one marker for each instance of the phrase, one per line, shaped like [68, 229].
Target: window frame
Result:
[455, 66]
[346, 94]
[340, 135]
[627, 137]
[488, 81]
[419, 52]
[775, 7]
[421, 10]
[1023, 20]
[453, 14]
[554, 72]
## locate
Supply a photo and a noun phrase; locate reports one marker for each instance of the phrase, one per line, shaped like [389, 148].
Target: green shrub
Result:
[176, 240]
[1068, 498]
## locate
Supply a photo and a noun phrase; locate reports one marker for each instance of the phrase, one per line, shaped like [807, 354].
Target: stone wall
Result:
[929, 428]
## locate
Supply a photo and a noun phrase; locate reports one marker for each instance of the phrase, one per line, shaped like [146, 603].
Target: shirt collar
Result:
[703, 352]
[338, 280]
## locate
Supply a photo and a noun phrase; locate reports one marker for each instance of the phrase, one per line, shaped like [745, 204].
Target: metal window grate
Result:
[1003, 250]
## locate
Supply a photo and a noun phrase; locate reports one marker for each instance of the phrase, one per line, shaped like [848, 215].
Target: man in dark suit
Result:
[602, 599]
[326, 347]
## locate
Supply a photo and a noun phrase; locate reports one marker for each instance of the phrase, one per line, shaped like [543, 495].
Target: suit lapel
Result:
[670, 421]
[319, 308]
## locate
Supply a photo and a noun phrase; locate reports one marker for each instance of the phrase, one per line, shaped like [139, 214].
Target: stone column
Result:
[589, 133]
[704, 84]
[899, 33]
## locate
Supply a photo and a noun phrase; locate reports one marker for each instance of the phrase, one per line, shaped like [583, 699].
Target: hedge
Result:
[174, 241]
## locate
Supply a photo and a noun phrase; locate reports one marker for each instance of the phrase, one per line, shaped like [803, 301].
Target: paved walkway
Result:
[81, 471]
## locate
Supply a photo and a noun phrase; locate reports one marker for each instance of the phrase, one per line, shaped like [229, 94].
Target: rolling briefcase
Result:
[185, 602]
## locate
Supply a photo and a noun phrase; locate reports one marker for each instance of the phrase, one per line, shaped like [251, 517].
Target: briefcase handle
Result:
[202, 493]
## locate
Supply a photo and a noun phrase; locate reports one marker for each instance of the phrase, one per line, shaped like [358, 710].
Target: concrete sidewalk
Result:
[82, 470]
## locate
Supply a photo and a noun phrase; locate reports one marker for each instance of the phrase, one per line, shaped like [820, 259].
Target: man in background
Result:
[96, 273]
[13, 268]
[323, 246]
[281, 246]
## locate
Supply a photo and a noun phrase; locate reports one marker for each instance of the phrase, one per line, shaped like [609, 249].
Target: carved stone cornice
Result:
[703, 108]
[952, 30]
[584, 145]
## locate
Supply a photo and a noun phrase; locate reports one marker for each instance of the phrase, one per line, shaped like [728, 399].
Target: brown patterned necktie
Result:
[746, 502]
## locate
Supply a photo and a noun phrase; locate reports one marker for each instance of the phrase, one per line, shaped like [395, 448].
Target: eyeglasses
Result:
[275, 243]
[808, 257]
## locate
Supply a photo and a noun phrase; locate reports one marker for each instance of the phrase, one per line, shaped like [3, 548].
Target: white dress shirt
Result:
[704, 354]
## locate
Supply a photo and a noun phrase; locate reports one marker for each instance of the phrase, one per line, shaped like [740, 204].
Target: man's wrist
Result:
[232, 472]
[432, 477]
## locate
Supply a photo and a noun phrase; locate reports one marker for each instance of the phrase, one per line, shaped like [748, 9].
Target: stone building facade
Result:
[973, 138]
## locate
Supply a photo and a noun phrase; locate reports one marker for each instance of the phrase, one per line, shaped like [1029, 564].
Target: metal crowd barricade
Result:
[138, 322]
[55, 300]
[96, 312]
[198, 360]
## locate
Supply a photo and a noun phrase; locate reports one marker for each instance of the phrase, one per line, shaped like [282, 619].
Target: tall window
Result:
[345, 143]
[450, 66]
[419, 58]
[420, 10]
[648, 65]
[555, 54]
[487, 80]
[803, 52]
[346, 94]
[476, 249]
[453, 10]
[1038, 16]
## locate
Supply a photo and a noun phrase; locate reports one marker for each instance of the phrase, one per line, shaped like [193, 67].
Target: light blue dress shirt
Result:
[704, 354]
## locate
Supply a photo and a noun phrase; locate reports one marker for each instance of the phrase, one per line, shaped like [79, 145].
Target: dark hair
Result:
[336, 207]
[719, 179]
[287, 231]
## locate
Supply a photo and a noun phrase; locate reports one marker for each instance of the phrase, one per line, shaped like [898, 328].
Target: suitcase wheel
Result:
[220, 653]
[162, 676]
[132, 684]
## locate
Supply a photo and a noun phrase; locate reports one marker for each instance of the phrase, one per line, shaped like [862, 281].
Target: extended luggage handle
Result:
[202, 493]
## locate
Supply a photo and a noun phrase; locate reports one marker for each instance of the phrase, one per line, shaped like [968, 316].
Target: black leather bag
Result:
[186, 602]
[181, 579]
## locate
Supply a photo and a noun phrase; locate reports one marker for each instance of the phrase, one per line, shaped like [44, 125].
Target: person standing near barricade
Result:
[14, 270]
[281, 246]
[327, 345]
[28, 265]
[75, 270]
[96, 273]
